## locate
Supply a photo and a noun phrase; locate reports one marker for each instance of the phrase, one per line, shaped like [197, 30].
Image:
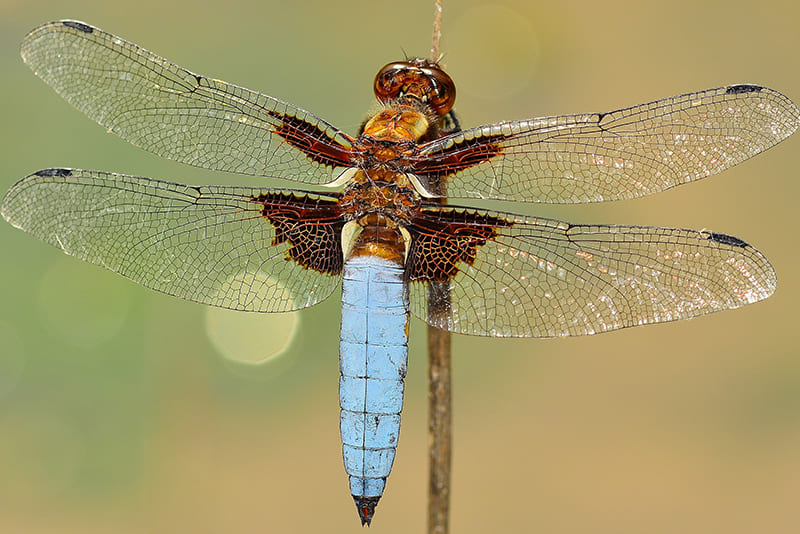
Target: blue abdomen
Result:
[373, 355]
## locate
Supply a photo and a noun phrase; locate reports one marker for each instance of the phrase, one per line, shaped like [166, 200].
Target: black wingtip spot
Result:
[726, 239]
[61, 173]
[743, 88]
[80, 26]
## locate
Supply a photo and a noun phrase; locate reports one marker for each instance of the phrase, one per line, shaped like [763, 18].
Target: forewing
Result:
[177, 114]
[623, 154]
[517, 277]
[232, 247]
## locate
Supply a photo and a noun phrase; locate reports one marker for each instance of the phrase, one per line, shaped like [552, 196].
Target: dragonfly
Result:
[377, 219]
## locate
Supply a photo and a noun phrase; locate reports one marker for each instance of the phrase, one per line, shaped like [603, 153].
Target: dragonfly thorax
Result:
[380, 191]
[395, 125]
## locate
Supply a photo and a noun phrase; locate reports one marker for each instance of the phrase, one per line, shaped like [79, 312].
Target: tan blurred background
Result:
[119, 414]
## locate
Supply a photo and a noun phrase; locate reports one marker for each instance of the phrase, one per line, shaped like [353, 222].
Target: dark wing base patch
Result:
[312, 226]
[315, 143]
[461, 155]
[442, 238]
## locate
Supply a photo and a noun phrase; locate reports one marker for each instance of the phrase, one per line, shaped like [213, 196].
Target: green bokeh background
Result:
[118, 414]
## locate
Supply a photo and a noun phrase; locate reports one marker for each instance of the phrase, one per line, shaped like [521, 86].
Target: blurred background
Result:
[126, 411]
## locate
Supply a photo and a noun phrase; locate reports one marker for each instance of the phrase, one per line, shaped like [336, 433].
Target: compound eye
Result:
[389, 81]
[443, 94]
[416, 79]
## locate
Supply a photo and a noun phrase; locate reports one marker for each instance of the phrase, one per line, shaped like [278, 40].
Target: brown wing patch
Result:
[461, 155]
[443, 238]
[314, 142]
[312, 226]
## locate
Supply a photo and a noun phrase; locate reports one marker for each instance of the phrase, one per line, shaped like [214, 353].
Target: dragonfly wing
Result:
[622, 154]
[177, 114]
[524, 277]
[232, 247]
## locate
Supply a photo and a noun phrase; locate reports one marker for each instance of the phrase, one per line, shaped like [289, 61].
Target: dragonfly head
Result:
[416, 79]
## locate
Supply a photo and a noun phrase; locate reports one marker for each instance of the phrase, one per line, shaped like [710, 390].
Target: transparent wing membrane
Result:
[545, 278]
[205, 244]
[622, 154]
[177, 114]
